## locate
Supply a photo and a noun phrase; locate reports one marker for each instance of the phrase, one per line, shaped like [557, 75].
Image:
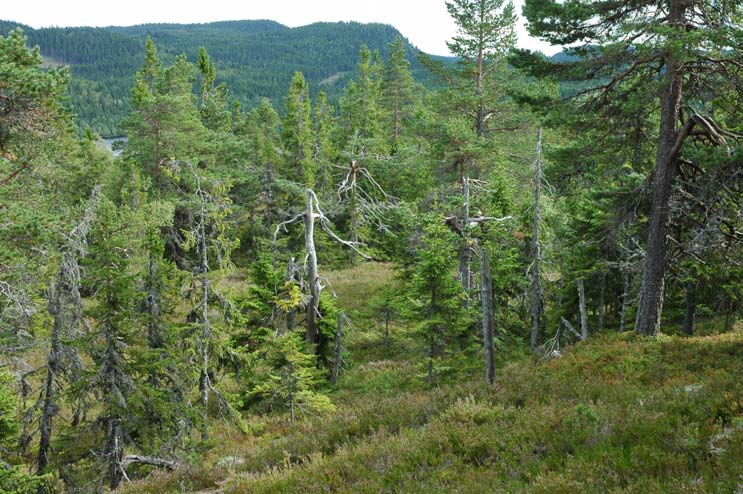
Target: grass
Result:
[617, 414]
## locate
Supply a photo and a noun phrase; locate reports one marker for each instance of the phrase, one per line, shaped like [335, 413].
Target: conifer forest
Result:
[320, 260]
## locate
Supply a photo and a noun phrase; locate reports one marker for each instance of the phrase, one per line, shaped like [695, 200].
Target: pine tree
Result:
[165, 124]
[486, 31]
[680, 68]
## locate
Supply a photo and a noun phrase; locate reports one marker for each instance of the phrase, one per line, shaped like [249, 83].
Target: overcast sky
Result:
[426, 23]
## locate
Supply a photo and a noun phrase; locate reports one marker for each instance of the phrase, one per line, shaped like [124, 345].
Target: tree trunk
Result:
[536, 288]
[50, 388]
[50, 398]
[651, 292]
[313, 308]
[488, 322]
[602, 301]
[205, 327]
[337, 350]
[152, 309]
[691, 308]
[625, 301]
[728, 313]
[114, 451]
[65, 308]
[582, 307]
[465, 253]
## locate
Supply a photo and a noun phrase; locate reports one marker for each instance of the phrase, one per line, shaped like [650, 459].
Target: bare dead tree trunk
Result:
[337, 350]
[625, 301]
[582, 307]
[691, 308]
[313, 308]
[355, 222]
[728, 313]
[536, 286]
[114, 451]
[602, 300]
[465, 252]
[670, 140]
[206, 333]
[50, 387]
[488, 320]
[65, 307]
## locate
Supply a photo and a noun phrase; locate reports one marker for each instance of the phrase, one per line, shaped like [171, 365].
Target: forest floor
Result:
[617, 414]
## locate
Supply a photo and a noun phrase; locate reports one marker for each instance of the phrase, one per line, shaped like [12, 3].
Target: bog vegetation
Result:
[522, 277]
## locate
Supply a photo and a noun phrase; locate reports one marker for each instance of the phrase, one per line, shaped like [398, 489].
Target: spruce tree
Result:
[297, 132]
[435, 295]
[397, 92]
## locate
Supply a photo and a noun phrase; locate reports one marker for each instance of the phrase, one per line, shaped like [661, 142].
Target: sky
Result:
[426, 23]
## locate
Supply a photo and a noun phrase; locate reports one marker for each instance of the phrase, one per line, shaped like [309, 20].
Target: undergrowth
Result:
[617, 414]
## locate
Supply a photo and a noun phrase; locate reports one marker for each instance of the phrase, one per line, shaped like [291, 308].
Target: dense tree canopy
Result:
[255, 286]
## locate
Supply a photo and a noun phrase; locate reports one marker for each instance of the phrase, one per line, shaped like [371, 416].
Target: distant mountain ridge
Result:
[255, 58]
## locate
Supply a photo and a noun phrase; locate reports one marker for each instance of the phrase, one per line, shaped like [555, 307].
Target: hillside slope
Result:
[255, 58]
[618, 414]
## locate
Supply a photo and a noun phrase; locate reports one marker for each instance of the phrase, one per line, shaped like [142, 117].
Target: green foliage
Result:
[435, 297]
[288, 377]
[30, 99]
[179, 325]
[255, 59]
[13, 479]
[397, 93]
[165, 124]
[297, 132]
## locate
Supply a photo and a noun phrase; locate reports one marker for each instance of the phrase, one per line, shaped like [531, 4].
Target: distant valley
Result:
[255, 58]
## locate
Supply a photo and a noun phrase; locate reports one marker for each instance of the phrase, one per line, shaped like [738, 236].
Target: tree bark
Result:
[205, 335]
[465, 254]
[114, 451]
[488, 321]
[602, 300]
[536, 288]
[625, 301]
[669, 140]
[313, 308]
[65, 307]
[582, 308]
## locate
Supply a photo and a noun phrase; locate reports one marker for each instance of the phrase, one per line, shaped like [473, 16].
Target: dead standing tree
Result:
[65, 307]
[313, 214]
[365, 199]
[488, 316]
[207, 234]
[470, 244]
[536, 309]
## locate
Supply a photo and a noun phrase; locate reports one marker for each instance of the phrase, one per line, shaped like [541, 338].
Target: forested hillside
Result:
[255, 59]
[525, 277]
